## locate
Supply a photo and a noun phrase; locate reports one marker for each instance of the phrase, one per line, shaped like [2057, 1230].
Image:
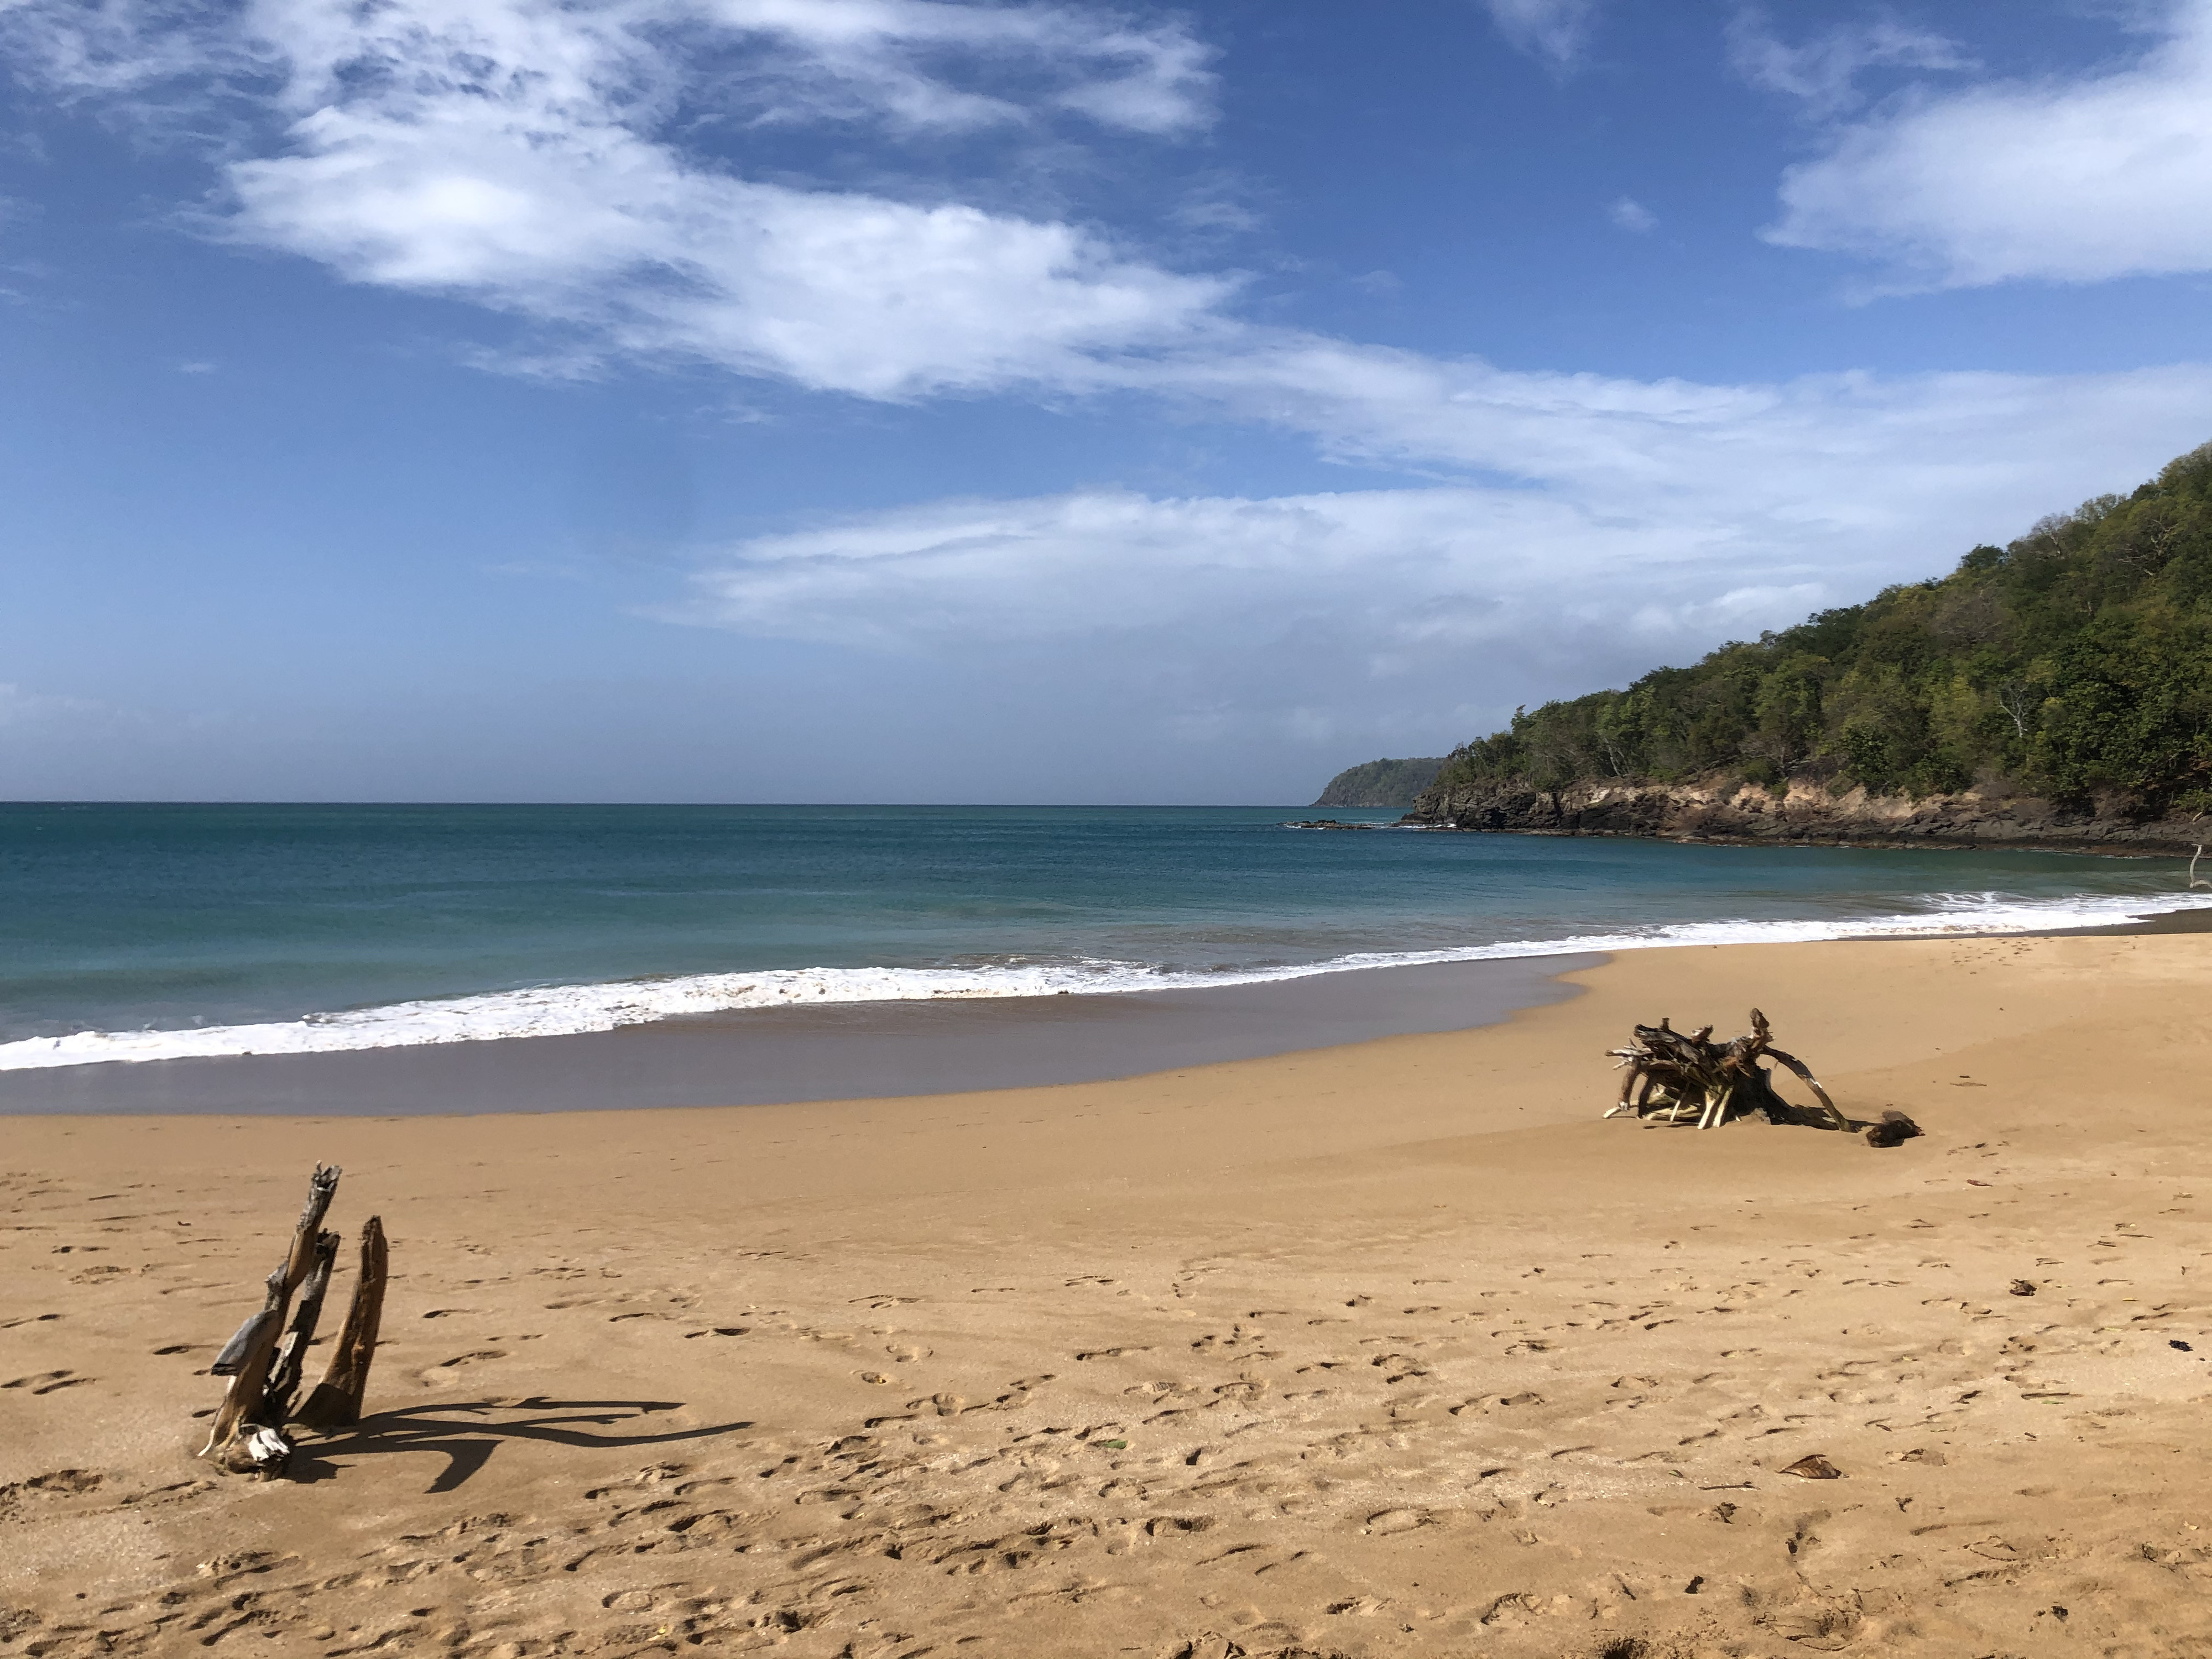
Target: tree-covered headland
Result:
[1381, 782]
[2074, 664]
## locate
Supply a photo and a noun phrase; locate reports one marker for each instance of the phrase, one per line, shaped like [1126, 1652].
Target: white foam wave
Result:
[571, 1010]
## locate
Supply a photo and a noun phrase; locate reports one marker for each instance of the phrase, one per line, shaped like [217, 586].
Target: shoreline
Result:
[844, 1051]
[881, 1049]
[2085, 847]
[1394, 1349]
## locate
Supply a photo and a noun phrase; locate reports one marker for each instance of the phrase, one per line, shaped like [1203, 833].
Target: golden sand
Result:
[1391, 1349]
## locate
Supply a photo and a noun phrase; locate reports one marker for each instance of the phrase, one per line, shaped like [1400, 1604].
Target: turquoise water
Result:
[142, 932]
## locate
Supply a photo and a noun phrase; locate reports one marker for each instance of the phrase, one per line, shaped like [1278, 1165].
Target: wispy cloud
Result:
[1650, 523]
[23, 710]
[1629, 214]
[1823, 73]
[905, 61]
[1390, 573]
[1555, 31]
[2073, 178]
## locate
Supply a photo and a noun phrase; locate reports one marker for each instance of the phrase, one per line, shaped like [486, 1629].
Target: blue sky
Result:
[912, 400]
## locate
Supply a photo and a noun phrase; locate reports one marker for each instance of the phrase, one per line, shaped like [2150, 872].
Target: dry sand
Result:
[1391, 1349]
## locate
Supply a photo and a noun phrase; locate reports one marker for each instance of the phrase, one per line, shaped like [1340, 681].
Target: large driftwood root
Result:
[265, 1360]
[1675, 1077]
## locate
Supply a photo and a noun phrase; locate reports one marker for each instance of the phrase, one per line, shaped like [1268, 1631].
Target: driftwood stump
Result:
[1674, 1077]
[336, 1402]
[266, 1358]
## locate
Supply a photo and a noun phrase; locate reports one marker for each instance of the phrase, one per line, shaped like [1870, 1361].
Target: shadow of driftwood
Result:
[1890, 1128]
[469, 1431]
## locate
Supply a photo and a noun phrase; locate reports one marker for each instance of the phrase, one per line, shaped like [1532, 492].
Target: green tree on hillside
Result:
[2075, 662]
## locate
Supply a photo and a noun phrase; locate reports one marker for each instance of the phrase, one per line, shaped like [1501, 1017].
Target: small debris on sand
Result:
[1814, 1467]
[1894, 1128]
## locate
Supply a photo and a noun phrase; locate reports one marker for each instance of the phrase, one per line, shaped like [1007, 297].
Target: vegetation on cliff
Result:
[1381, 783]
[2074, 664]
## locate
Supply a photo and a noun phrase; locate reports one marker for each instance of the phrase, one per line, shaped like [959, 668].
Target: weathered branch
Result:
[336, 1402]
[1812, 1082]
[239, 1440]
[292, 1352]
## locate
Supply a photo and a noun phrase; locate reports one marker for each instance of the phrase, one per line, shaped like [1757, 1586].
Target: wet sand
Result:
[841, 1052]
[1389, 1348]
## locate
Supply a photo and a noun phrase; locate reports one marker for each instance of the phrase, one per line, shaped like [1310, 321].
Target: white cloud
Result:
[1553, 30]
[1654, 522]
[1823, 73]
[1096, 562]
[615, 236]
[1355, 617]
[1631, 214]
[516, 153]
[95, 48]
[1363, 589]
[896, 60]
[2072, 179]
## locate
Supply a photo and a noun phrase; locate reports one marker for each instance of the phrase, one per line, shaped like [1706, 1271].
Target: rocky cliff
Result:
[1728, 810]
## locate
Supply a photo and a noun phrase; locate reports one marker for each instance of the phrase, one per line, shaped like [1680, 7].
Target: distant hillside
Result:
[2056, 690]
[1381, 783]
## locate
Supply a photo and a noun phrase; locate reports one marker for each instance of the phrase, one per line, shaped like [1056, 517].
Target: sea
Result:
[139, 932]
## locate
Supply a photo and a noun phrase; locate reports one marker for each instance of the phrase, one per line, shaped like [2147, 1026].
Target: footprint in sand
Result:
[61, 1483]
[1389, 1521]
[46, 1382]
[441, 1371]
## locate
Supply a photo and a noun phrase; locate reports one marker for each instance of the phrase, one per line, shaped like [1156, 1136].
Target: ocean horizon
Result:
[147, 931]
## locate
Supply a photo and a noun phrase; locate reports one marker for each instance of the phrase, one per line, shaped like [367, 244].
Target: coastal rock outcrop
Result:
[1734, 811]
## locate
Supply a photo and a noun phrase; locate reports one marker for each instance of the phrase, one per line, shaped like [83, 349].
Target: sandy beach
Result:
[1389, 1348]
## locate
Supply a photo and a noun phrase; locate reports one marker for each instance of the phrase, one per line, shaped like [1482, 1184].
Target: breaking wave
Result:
[570, 1010]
